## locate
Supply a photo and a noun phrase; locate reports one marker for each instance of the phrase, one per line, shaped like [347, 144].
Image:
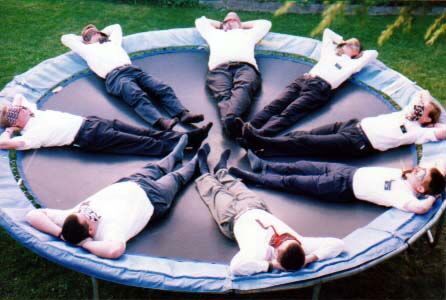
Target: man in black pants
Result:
[338, 182]
[339, 59]
[233, 78]
[417, 123]
[105, 56]
[48, 128]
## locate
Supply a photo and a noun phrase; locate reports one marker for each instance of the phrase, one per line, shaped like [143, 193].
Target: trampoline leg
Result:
[438, 230]
[95, 288]
[316, 291]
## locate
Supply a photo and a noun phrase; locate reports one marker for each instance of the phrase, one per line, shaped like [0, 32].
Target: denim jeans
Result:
[161, 183]
[299, 98]
[333, 140]
[233, 86]
[327, 181]
[140, 90]
[113, 136]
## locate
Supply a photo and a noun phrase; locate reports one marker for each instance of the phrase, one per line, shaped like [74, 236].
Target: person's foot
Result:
[233, 126]
[188, 118]
[178, 151]
[257, 164]
[223, 162]
[245, 175]
[165, 124]
[251, 138]
[197, 136]
[202, 155]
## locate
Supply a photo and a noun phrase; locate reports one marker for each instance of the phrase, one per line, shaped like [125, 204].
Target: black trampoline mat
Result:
[61, 178]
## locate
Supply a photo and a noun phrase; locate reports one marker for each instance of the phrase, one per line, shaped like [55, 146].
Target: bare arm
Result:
[40, 220]
[7, 143]
[105, 249]
[420, 206]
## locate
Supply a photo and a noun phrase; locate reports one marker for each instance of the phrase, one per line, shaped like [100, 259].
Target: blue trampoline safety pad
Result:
[386, 235]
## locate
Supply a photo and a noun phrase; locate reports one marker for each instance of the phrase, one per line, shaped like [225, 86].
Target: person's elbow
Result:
[418, 208]
[116, 250]
[33, 216]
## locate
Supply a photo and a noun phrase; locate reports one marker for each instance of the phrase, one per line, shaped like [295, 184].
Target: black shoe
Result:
[197, 136]
[189, 118]
[165, 124]
[233, 127]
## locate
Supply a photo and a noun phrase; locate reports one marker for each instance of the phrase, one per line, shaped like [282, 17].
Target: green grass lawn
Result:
[31, 33]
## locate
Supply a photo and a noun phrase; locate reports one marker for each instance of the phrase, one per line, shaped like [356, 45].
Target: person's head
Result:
[290, 255]
[14, 116]
[426, 181]
[351, 47]
[431, 114]
[78, 227]
[90, 35]
[231, 21]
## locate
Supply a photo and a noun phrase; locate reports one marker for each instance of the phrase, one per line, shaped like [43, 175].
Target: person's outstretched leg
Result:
[161, 92]
[154, 170]
[98, 135]
[314, 94]
[165, 189]
[203, 160]
[278, 105]
[223, 161]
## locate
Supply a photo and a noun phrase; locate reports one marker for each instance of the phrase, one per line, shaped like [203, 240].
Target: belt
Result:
[308, 76]
[117, 69]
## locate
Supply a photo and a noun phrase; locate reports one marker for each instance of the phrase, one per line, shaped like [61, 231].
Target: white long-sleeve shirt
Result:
[48, 128]
[236, 45]
[383, 186]
[255, 251]
[335, 69]
[101, 58]
[393, 130]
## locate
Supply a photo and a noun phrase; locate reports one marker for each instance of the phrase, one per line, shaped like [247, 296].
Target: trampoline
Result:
[61, 178]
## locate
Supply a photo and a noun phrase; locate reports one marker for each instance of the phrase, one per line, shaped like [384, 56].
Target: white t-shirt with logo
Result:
[48, 128]
[383, 186]
[124, 210]
[335, 69]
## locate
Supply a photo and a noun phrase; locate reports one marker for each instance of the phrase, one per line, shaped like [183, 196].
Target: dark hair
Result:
[437, 183]
[292, 258]
[73, 231]
[435, 113]
[4, 117]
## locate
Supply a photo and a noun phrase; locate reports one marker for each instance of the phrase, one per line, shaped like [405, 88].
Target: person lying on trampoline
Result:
[266, 243]
[106, 57]
[338, 60]
[417, 123]
[414, 190]
[104, 222]
[233, 78]
[49, 128]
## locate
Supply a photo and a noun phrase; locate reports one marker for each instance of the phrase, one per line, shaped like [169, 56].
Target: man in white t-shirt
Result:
[233, 78]
[104, 222]
[414, 190]
[338, 60]
[49, 128]
[104, 54]
[417, 123]
[266, 243]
